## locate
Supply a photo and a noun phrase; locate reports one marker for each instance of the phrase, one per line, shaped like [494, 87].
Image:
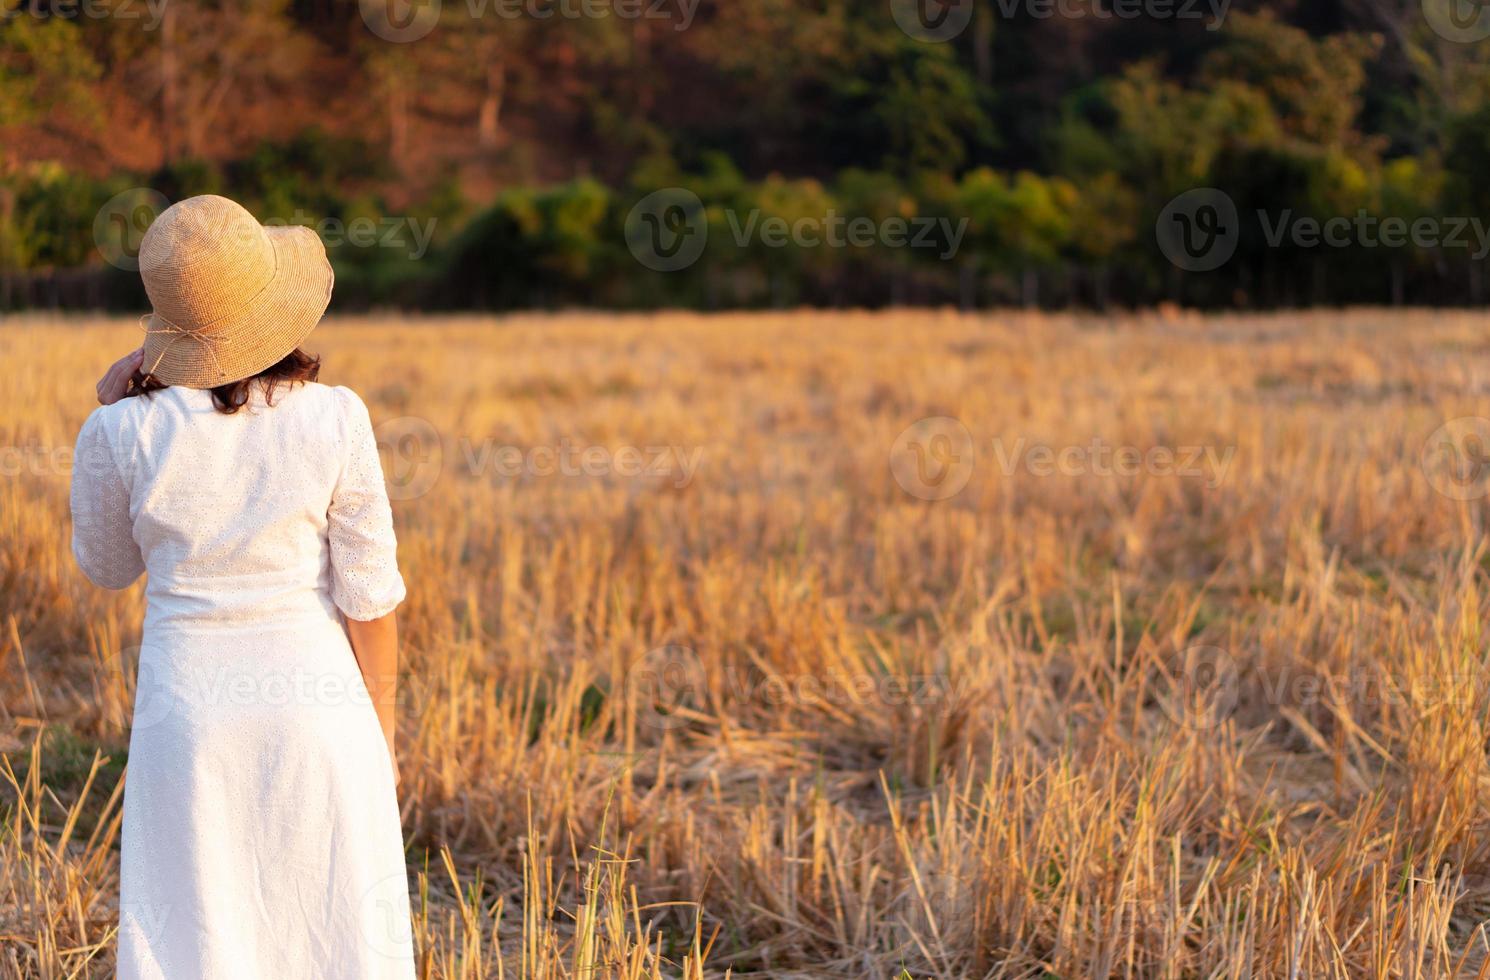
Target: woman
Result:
[261, 830]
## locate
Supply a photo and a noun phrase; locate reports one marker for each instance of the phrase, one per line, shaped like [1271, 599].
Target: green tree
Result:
[1017, 225]
[1408, 189]
[1314, 85]
[44, 68]
[1103, 222]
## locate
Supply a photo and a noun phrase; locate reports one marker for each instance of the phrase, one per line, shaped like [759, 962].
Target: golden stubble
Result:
[1186, 680]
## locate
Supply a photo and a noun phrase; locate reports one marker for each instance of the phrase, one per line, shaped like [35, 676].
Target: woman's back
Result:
[267, 518]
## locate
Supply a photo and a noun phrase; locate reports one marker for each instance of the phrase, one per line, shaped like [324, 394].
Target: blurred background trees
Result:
[526, 132]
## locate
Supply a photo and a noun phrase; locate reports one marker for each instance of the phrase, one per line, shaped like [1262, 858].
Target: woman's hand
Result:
[114, 385]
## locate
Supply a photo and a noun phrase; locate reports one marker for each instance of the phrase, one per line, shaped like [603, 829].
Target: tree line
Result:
[516, 153]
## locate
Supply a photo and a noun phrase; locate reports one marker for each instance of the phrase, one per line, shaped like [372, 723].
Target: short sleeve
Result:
[365, 582]
[102, 531]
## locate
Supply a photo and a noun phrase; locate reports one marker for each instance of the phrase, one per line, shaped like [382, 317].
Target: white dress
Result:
[261, 834]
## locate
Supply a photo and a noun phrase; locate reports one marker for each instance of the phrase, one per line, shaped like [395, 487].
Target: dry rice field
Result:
[896, 645]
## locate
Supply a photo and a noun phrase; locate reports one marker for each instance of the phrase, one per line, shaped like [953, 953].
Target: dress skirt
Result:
[261, 836]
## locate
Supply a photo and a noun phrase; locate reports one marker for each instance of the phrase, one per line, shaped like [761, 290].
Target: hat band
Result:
[175, 332]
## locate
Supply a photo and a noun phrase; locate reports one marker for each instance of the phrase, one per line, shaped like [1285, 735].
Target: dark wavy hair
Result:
[294, 368]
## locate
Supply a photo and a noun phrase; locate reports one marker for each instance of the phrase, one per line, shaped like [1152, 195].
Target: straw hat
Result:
[230, 296]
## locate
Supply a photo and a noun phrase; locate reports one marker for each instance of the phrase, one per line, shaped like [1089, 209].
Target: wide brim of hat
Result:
[240, 343]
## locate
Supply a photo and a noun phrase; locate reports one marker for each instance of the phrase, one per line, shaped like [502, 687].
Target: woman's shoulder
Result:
[337, 405]
[123, 425]
[337, 398]
[121, 416]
